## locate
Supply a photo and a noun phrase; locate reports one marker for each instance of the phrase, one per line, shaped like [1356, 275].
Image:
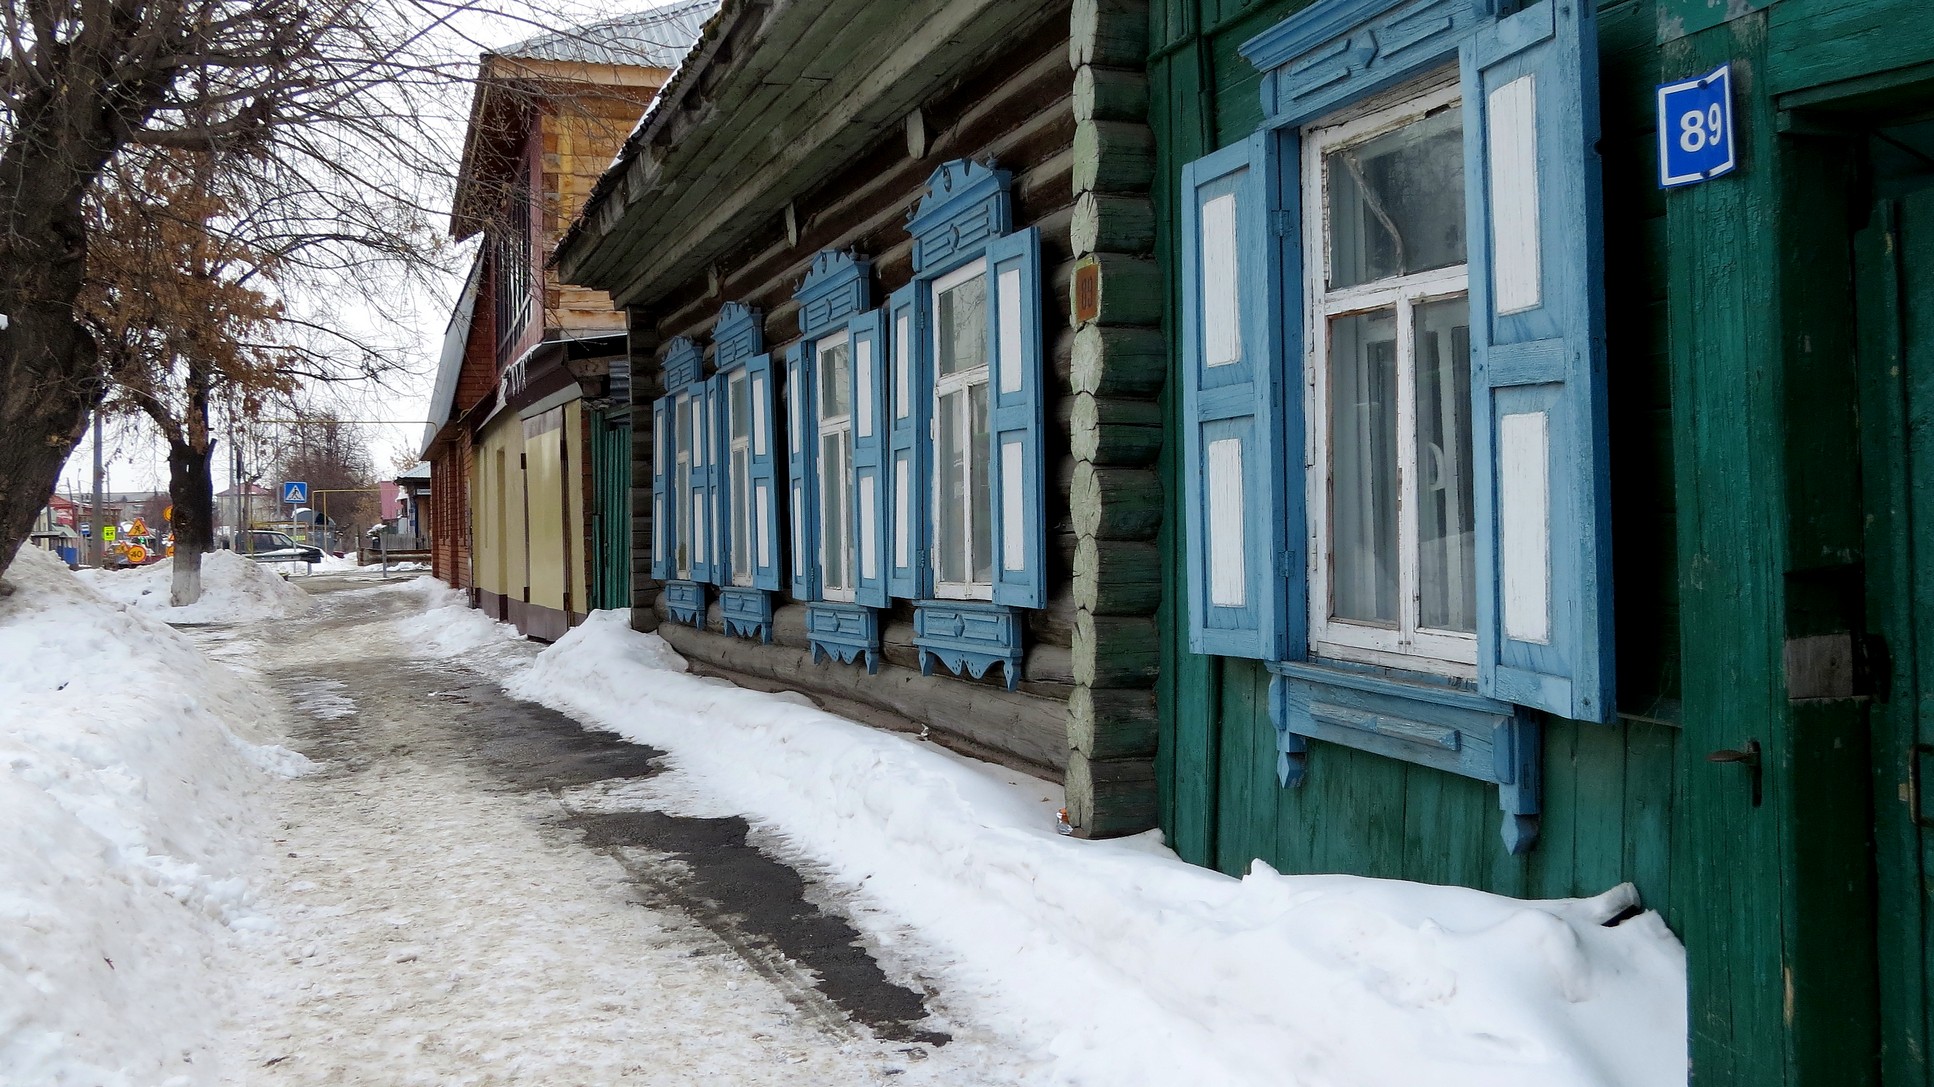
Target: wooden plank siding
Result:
[1610, 793]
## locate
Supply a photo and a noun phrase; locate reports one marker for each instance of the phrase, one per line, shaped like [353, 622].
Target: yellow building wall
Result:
[530, 511]
[497, 507]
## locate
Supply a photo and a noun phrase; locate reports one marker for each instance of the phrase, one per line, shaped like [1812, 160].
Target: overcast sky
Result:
[415, 318]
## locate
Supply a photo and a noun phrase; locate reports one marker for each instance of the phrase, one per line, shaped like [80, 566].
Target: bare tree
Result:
[182, 313]
[308, 106]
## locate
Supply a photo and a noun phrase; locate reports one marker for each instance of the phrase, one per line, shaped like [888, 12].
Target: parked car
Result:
[266, 546]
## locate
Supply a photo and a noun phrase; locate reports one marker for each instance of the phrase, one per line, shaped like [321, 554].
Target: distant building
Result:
[527, 433]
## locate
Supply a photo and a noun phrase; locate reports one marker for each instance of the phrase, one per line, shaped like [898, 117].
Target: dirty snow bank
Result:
[449, 627]
[1124, 965]
[233, 589]
[129, 799]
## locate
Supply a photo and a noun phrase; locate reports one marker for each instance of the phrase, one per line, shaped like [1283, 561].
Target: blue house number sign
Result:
[1696, 129]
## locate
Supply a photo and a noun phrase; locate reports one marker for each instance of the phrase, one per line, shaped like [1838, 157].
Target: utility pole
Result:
[95, 554]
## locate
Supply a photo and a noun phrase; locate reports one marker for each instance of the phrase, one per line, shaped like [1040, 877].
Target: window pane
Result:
[832, 509]
[1363, 467]
[951, 480]
[1396, 201]
[741, 408]
[1446, 559]
[980, 498]
[962, 324]
[835, 381]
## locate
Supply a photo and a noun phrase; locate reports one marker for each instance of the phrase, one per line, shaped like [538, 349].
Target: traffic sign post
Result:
[1696, 129]
[295, 494]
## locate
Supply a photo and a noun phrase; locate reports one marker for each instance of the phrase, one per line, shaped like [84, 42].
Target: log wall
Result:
[1018, 111]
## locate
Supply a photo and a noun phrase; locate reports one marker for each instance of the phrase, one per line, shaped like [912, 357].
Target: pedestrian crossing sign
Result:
[295, 494]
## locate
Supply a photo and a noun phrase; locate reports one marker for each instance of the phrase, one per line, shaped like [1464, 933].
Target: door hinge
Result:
[1285, 559]
[523, 461]
[1282, 224]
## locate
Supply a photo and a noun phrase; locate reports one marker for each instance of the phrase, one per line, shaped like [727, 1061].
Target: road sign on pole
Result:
[295, 494]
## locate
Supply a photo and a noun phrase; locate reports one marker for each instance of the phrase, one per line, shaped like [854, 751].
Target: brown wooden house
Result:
[892, 327]
[523, 401]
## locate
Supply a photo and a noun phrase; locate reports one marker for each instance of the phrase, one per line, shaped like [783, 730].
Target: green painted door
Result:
[1895, 292]
[611, 518]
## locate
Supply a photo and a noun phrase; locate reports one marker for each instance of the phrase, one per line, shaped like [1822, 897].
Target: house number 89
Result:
[1697, 128]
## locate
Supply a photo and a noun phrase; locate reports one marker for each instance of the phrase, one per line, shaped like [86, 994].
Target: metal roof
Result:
[658, 38]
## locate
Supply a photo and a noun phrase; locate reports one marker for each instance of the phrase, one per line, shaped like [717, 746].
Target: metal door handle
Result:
[1746, 756]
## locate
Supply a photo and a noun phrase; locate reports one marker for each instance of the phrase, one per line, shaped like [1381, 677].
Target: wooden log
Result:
[1126, 290]
[1115, 503]
[1112, 223]
[1110, 94]
[1060, 355]
[1115, 651]
[1113, 724]
[1113, 157]
[1027, 727]
[1109, 798]
[1114, 432]
[1117, 361]
[1108, 32]
[1117, 577]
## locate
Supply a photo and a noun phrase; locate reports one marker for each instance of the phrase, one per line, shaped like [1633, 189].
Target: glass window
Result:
[1393, 566]
[964, 545]
[739, 408]
[1396, 201]
[835, 376]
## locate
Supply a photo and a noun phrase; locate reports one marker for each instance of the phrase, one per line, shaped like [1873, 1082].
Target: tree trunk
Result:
[47, 388]
[191, 486]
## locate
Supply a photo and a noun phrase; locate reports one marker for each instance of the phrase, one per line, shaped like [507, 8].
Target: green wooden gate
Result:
[611, 519]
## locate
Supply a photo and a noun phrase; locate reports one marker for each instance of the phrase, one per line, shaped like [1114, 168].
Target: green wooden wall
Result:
[1609, 791]
[1735, 397]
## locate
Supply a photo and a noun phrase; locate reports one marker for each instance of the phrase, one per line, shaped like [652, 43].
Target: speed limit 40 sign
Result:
[1696, 129]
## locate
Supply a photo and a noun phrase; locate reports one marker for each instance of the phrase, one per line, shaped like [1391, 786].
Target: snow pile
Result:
[1122, 964]
[233, 589]
[127, 802]
[448, 626]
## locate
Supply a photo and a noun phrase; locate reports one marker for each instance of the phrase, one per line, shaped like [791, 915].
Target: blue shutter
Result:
[703, 502]
[909, 391]
[866, 334]
[802, 504]
[1243, 522]
[1016, 394]
[1530, 86]
[663, 433]
[765, 499]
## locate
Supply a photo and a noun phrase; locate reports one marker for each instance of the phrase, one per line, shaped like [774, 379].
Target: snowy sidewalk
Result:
[457, 896]
[680, 882]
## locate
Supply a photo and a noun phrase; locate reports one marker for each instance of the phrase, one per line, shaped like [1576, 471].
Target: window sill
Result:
[969, 638]
[686, 602]
[747, 612]
[843, 632]
[1417, 718]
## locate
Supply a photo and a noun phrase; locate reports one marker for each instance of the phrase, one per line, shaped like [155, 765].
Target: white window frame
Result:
[685, 539]
[738, 433]
[942, 388]
[825, 426]
[1407, 646]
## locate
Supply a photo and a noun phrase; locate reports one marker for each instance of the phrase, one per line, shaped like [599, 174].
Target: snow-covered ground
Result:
[285, 925]
[1121, 963]
[133, 773]
[234, 589]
